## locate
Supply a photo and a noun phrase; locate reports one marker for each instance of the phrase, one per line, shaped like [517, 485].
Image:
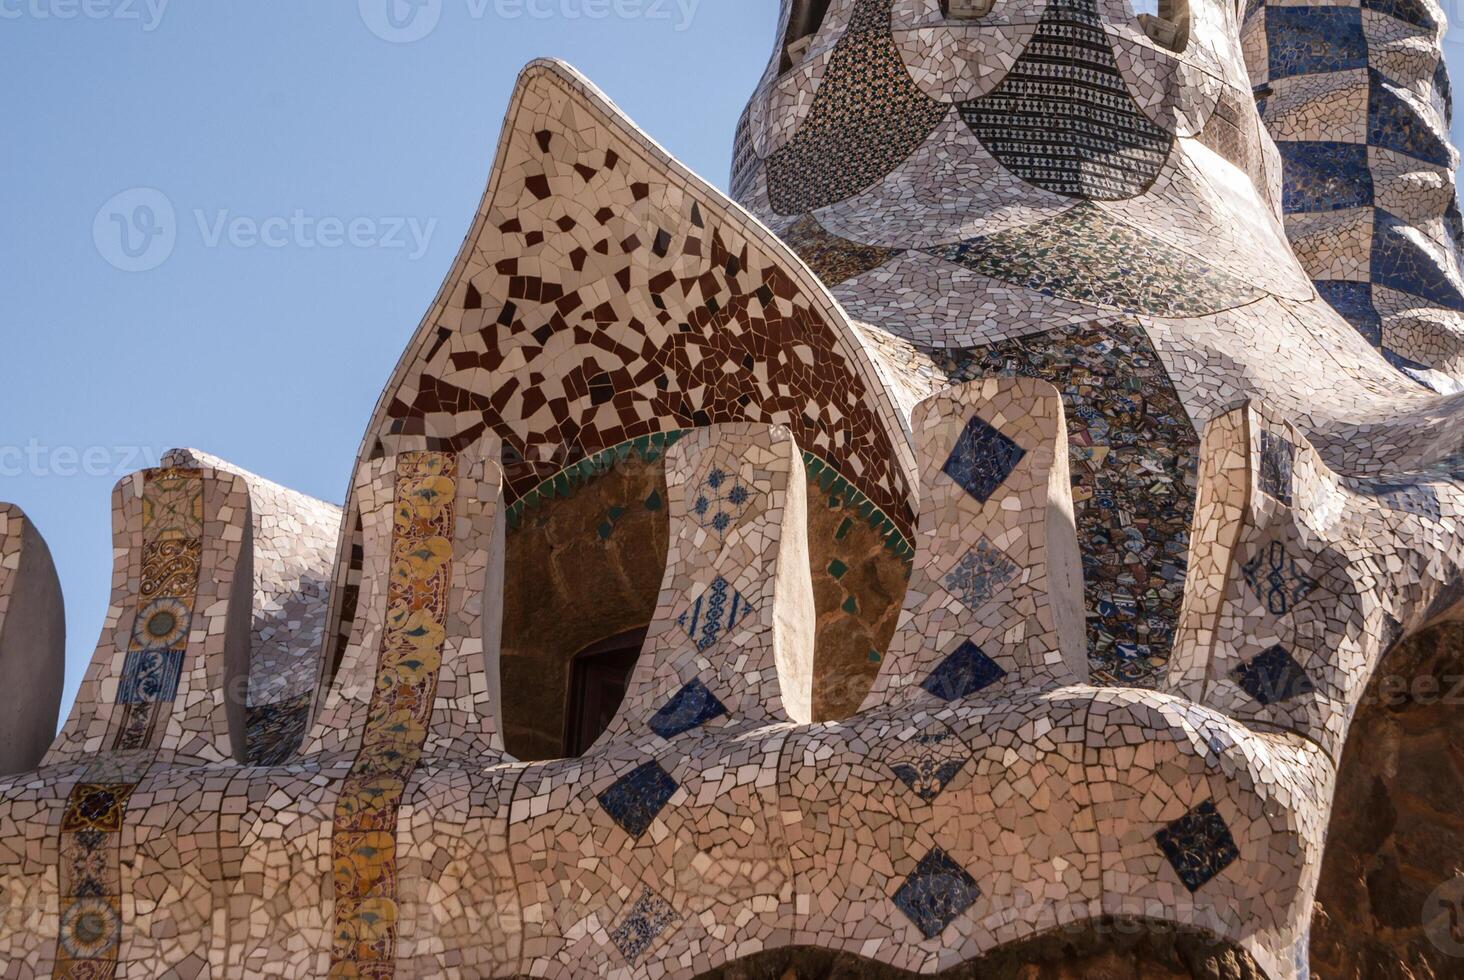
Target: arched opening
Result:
[598, 678]
[585, 555]
[1166, 22]
[1114, 948]
[1391, 890]
[803, 23]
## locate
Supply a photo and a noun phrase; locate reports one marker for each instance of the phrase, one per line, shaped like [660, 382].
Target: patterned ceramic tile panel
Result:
[1358, 99]
[996, 482]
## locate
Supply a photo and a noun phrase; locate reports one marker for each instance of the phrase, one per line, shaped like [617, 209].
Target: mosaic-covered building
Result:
[978, 545]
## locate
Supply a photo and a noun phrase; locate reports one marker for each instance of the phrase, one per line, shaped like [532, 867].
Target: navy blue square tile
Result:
[150, 676]
[691, 707]
[1312, 40]
[1273, 677]
[1198, 846]
[1325, 176]
[937, 891]
[982, 459]
[637, 797]
[642, 925]
[964, 672]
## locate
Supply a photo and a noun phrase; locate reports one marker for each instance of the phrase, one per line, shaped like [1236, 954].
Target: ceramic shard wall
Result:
[1358, 99]
[1014, 528]
[32, 641]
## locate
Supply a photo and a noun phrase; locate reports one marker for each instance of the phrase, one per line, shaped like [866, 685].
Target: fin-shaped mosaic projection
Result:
[1006, 537]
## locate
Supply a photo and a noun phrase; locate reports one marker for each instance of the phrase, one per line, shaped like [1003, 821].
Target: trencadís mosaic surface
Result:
[1047, 446]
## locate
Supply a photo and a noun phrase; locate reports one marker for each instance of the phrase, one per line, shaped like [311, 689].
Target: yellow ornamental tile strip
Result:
[364, 842]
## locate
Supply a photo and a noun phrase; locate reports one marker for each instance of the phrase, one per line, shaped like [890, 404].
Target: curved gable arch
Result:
[606, 293]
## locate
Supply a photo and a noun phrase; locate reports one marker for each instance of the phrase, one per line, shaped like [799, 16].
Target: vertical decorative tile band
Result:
[90, 934]
[364, 842]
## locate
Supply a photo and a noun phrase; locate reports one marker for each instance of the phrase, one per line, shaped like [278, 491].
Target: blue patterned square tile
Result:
[720, 502]
[982, 459]
[1198, 846]
[1273, 677]
[642, 925]
[714, 613]
[937, 891]
[964, 672]
[636, 798]
[980, 575]
[1277, 579]
[691, 707]
[150, 676]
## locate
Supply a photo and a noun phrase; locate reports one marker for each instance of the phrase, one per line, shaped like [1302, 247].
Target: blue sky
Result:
[321, 163]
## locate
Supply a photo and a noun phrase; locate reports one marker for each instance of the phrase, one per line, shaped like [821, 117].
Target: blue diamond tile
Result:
[964, 672]
[150, 676]
[1277, 579]
[1198, 846]
[937, 891]
[983, 459]
[714, 613]
[691, 707]
[645, 921]
[1273, 677]
[637, 797]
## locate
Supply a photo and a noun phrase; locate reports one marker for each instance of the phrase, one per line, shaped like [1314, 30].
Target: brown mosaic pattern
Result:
[833, 259]
[605, 295]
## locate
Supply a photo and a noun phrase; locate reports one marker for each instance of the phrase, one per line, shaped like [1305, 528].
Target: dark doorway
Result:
[598, 678]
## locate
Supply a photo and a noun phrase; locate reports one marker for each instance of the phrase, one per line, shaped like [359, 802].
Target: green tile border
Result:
[839, 491]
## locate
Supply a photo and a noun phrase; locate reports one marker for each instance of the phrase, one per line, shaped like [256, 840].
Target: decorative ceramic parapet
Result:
[32, 642]
[726, 666]
[294, 549]
[1301, 580]
[410, 708]
[732, 636]
[164, 689]
[175, 643]
[1357, 97]
[996, 595]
